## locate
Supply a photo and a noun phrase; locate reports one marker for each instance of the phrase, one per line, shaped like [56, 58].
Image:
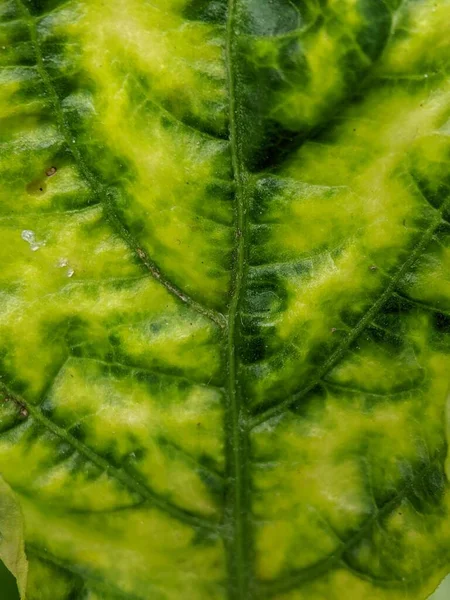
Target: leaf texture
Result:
[225, 316]
[12, 552]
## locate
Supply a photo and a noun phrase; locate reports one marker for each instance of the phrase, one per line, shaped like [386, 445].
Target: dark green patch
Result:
[435, 193]
[265, 298]
[378, 19]
[210, 11]
[269, 17]
[442, 323]
[8, 585]
[40, 7]
[78, 431]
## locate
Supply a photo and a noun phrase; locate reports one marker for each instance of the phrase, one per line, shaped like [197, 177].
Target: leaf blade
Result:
[319, 228]
[12, 548]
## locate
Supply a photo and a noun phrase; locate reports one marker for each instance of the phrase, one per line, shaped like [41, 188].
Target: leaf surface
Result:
[225, 317]
[12, 552]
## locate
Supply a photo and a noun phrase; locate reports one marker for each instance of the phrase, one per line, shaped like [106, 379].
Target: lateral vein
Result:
[82, 573]
[100, 191]
[291, 581]
[337, 355]
[128, 480]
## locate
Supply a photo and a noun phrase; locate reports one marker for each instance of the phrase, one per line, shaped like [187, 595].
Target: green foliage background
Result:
[8, 587]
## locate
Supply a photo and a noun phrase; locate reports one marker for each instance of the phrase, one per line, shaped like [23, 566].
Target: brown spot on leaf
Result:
[51, 171]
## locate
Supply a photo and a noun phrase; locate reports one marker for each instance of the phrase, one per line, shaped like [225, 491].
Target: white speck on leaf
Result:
[29, 236]
[64, 262]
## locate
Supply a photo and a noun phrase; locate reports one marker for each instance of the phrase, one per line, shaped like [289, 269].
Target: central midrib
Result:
[237, 501]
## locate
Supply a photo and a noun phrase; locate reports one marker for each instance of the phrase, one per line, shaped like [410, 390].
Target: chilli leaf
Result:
[12, 553]
[225, 315]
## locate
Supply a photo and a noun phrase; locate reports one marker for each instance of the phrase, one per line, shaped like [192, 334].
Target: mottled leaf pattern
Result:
[225, 316]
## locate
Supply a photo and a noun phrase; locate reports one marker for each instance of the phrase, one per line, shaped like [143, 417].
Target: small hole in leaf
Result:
[36, 188]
